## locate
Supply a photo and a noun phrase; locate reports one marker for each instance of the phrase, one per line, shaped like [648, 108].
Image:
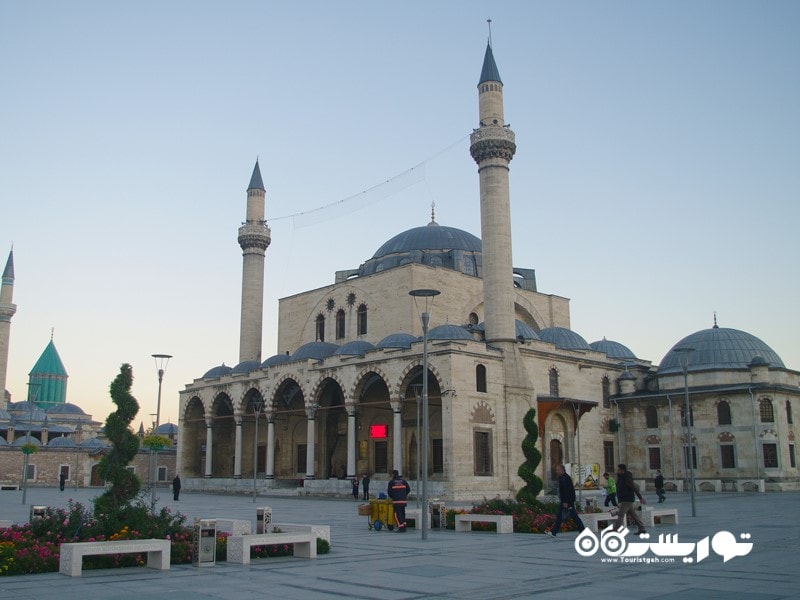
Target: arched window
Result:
[723, 413]
[766, 411]
[789, 412]
[606, 385]
[320, 329]
[651, 416]
[480, 378]
[339, 324]
[362, 319]
[553, 383]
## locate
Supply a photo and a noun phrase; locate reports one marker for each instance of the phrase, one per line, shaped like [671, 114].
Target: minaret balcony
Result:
[492, 141]
[255, 234]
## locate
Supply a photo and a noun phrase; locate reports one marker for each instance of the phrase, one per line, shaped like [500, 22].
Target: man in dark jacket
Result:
[398, 491]
[627, 492]
[659, 483]
[566, 496]
[176, 487]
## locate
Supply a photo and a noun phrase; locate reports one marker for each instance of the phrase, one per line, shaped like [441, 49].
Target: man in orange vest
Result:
[398, 491]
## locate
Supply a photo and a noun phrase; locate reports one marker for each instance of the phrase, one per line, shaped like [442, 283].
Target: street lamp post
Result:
[428, 295]
[161, 365]
[78, 430]
[31, 399]
[258, 404]
[683, 355]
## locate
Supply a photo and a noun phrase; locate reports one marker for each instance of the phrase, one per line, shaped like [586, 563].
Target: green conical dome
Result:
[48, 379]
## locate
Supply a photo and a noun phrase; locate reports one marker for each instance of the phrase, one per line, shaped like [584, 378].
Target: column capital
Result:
[311, 411]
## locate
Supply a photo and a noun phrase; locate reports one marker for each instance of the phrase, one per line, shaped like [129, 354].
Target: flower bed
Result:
[528, 518]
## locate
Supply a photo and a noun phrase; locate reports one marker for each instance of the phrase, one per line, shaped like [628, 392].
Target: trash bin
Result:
[438, 514]
[37, 512]
[381, 514]
[204, 543]
[263, 519]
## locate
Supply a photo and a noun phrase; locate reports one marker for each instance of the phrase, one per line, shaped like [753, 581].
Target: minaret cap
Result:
[8, 272]
[255, 180]
[489, 71]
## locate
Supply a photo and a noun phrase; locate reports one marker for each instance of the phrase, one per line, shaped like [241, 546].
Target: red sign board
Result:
[378, 431]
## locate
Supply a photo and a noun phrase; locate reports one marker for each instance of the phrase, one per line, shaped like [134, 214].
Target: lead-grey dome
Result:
[94, 443]
[397, 340]
[521, 330]
[613, 349]
[217, 372]
[314, 351]
[65, 409]
[719, 348]
[276, 359]
[564, 338]
[245, 367]
[61, 442]
[434, 245]
[354, 348]
[449, 332]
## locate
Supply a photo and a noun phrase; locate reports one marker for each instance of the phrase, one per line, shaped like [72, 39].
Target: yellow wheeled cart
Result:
[381, 514]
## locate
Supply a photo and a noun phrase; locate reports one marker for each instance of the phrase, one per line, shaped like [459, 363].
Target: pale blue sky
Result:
[656, 178]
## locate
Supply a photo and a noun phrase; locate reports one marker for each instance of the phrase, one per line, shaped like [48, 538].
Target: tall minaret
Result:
[7, 310]
[492, 146]
[254, 238]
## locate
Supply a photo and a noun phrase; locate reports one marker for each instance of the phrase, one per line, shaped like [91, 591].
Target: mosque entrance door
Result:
[556, 457]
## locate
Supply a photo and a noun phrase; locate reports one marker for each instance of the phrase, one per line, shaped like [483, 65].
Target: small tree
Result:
[124, 484]
[527, 470]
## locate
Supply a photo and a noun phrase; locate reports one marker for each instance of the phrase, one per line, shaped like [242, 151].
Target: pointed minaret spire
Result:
[254, 239]
[7, 310]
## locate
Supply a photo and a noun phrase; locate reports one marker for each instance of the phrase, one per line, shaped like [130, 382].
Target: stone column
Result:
[237, 458]
[270, 445]
[351, 442]
[209, 446]
[311, 412]
[397, 436]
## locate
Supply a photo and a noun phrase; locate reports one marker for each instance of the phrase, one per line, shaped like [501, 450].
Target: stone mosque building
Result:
[342, 396]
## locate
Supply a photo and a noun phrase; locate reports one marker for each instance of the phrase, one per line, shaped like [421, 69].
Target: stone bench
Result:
[667, 515]
[11, 487]
[235, 526]
[505, 523]
[708, 485]
[415, 514]
[322, 532]
[70, 561]
[305, 544]
[593, 520]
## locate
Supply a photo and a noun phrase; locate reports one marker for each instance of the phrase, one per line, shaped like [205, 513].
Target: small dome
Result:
[277, 359]
[21, 441]
[93, 443]
[354, 348]
[449, 332]
[4, 415]
[65, 409]
[613, 349]
[719, 348]
[564, 338]
[397, 340]
[3, 441]
[525, 331]
[314, 351]
[217, 372]
[167, 429]
[758, 361]
[244, 367]
[25, 411]
[61, 442]
[627, 376]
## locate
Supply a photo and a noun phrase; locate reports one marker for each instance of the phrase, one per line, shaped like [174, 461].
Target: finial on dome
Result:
[433, 211]
[715, 321]
[52, 331]
[489, 21]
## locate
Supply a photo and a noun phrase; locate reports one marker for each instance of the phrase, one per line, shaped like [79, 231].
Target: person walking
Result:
[398, 490]
[659, 483]
[365, 487]
[566, 498]
[62, 479]
[611, 490]
[355, 488]
[627, 491]
[176, 487]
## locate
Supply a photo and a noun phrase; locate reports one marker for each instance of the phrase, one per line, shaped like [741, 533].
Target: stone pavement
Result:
[392, 566]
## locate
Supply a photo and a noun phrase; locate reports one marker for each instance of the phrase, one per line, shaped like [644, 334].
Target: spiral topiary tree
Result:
[124, 484]
[527, 470]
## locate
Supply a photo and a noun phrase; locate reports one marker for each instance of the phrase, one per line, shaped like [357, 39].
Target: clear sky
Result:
[656, 178]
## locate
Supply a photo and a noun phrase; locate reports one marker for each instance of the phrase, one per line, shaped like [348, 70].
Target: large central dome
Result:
[433, 245]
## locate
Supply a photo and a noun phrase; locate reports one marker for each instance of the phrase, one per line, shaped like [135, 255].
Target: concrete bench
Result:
[71, 557]
[235, 526]
[708, 485]
[11, 487]
[415, 514]
[305, 544]
[593, 520]
[505, 523]
[667, 515]
[322, 532]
